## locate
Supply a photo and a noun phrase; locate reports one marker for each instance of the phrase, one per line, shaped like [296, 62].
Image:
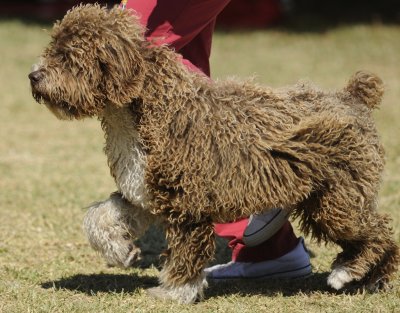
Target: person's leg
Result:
[283, 241]
[185, 25]
[198, 51]
[283, 255]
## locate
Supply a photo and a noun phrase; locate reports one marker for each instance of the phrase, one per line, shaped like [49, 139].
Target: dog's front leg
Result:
[190, 247]
[111, 227]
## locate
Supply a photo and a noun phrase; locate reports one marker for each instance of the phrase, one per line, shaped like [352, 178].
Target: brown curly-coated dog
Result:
[187, 152]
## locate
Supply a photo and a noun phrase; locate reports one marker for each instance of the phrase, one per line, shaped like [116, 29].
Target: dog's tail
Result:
[366, 88]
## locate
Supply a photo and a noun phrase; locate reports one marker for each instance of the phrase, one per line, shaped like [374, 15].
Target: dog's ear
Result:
[121, 58]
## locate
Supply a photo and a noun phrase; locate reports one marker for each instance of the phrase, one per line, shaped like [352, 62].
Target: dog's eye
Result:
[103, 66]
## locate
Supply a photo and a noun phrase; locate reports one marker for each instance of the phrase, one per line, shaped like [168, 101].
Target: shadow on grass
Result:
[99, 283]
[273, 287]
[116, 283]
[152, 243]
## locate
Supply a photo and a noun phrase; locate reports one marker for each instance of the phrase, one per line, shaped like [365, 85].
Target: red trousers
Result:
[187, 26]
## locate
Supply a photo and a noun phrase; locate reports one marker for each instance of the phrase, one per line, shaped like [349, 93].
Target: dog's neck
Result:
[130, 128]
[168, 87]
[167, 78]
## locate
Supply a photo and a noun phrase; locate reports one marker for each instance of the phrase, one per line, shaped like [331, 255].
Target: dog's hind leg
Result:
[111, 227]
[190, 247]
[380, 275]
[344, 217]
[371, 257]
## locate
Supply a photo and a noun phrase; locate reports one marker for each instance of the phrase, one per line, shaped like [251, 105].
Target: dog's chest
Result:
[126, 158]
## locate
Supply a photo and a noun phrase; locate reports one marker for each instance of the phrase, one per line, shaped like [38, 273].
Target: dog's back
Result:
[253, 147]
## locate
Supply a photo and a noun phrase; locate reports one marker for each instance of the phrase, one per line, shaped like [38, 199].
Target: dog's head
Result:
[94, 58]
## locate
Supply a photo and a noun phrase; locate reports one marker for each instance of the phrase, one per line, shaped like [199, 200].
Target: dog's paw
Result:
[128, 260]
[159, 293]
[173, 294]
[187, 293]
[339, 277]
[133, 257]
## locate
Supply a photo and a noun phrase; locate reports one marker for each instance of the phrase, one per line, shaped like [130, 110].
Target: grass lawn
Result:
[50, 170]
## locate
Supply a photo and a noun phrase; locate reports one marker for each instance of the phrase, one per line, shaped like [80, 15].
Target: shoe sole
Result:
[267, 231]
[297, 273]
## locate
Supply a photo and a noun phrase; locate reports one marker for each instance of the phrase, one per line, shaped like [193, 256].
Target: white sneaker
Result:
[263, 226]
[294, 264]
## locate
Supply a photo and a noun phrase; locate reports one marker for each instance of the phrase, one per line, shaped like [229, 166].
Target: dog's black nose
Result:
[35, 76]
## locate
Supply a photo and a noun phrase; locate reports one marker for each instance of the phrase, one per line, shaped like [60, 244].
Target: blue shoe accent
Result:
[294, 264]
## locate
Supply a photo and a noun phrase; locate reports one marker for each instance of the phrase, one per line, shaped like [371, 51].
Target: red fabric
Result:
[279, 244]
[187, 26]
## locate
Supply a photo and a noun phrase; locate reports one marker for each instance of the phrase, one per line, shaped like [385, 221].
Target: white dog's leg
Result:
[339, 277]
[186, 293]
[111, 227]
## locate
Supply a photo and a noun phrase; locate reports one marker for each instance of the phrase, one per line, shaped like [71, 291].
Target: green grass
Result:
[50, 170]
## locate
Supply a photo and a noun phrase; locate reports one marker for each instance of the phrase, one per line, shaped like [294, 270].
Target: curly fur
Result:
[194, 152]
[112, 226]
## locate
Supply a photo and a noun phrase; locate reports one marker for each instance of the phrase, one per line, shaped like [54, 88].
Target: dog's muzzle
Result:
[35, 77]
